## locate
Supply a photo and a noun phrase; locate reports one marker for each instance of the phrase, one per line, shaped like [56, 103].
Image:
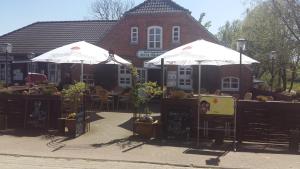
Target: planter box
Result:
[145, 129]
[71, 125]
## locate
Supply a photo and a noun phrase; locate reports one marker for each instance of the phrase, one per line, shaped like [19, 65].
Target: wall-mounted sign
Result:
[149, 54]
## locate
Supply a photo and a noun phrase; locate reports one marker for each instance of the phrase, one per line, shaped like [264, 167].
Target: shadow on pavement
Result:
[24, 132]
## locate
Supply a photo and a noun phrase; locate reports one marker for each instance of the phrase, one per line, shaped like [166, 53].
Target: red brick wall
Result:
[234, 70]
[118, 39]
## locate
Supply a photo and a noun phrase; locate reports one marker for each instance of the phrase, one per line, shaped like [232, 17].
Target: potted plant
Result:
[72, 99]
[141, 95]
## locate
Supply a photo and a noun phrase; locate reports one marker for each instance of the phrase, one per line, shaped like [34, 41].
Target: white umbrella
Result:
[201, 52]
[206, 52]
[80, 52]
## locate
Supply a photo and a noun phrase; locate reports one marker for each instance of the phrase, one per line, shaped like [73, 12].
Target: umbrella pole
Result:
[81, 72]
[198, 116]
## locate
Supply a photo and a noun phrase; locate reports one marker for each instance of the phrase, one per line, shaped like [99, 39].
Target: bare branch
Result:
[110, 9]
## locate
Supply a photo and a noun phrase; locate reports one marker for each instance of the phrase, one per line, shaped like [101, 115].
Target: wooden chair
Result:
[104, 98]
[123, 99]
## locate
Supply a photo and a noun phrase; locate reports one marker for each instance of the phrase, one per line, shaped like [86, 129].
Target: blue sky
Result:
[15, 14]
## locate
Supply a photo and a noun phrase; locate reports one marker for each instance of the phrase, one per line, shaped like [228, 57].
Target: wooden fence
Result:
[267, 121]
[256, 121]
[22, 111]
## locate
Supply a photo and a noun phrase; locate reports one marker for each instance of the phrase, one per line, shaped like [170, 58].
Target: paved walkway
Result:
[13, 162]
[109, 140]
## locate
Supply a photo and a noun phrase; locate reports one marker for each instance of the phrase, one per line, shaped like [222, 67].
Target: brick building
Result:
[144, 32]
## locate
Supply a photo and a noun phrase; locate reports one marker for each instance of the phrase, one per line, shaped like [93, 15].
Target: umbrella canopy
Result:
[79, 52]
[201, 52]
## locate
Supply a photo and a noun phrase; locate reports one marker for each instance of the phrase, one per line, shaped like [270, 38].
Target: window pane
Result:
[151, 38]
[226, 80]
[225, 85]
[151, 31]
[233, 80]
[157, 45]
[234, 85]
[157, 38]
[158, 31]
[151, 44]
[188, 82]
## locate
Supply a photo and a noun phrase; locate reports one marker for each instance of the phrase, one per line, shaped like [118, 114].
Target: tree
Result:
[229, 33]
[207, 24]
[289, 13]
[110, 9]
[265, 33]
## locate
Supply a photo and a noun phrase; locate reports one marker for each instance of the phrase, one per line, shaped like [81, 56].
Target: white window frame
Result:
[142, 78]
[134, 35]
[54, 73]
[230, 83]
[89, 79]
[155, 40]
[178, 34]
[185, 77]
[124, 76]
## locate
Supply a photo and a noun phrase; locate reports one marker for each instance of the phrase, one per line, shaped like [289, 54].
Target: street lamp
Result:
[7, 49]
[272, 57]
[241, 46]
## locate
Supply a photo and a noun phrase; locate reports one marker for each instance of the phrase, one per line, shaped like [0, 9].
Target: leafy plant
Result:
[142, 93]
[73, 96]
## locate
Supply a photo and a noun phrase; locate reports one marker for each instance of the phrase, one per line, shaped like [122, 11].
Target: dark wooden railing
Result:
[256, 121]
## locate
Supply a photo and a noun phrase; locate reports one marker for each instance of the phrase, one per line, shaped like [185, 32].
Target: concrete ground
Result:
[109, 140]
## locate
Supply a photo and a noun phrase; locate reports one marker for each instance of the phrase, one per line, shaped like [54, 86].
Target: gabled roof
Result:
[157, 6]
[41, 37]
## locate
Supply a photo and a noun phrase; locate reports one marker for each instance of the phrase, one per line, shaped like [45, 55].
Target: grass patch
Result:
[296, 86]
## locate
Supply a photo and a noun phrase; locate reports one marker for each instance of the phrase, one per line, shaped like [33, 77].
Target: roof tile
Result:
[41, 37]
[157, 6]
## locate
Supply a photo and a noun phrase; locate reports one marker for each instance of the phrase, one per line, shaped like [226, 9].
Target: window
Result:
[89, 79]
[185, 77]
[134, 35]
[32, 67]
[176, 34]
[142, 75]
[155, 37]
[124, 77]
[230, 84]
[54, 73]
[2, 72]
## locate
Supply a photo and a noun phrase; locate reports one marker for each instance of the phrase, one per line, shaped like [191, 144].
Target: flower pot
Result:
[71, 125]
[145, 129]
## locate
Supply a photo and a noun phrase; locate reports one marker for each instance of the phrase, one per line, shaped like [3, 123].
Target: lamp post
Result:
[273, 56]
[7, 49]
[241, 46]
